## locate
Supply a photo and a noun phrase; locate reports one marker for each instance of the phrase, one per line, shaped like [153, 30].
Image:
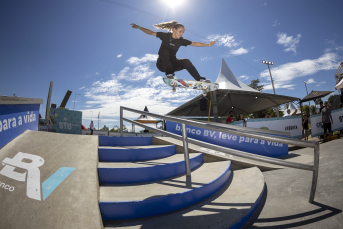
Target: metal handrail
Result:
[229, 130]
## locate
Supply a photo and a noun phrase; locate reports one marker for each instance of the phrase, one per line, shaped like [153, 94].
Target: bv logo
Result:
[32, 174]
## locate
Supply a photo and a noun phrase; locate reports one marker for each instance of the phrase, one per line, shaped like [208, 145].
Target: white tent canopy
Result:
[339, 85]
[292, 109]
[233, 95]
[227, 80]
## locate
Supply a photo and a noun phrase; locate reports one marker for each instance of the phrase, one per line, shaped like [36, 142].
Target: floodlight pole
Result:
[74, 100]
[271, 78]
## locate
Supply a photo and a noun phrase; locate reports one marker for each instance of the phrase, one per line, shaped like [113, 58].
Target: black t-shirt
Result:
[305, 124]
[173, 45]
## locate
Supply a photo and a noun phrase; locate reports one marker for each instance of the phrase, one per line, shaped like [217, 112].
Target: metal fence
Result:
[230, 130]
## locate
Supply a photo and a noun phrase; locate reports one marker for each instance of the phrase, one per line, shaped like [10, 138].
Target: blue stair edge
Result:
[141, 154]
[146, 174]
[158, 206]
[124, 141]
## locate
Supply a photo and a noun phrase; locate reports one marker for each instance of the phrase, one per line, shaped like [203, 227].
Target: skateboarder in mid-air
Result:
[171, 42]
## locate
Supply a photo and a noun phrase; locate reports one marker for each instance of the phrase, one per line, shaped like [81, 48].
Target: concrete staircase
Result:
[144, 185]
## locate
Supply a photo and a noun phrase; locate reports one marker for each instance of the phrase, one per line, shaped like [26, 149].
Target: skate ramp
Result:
[49, 180]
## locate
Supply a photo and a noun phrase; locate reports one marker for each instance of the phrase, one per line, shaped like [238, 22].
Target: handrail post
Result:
[121, 122]
[185, 149]
[315, 172]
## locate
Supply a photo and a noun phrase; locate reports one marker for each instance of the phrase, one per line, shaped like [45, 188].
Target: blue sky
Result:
[89, 47]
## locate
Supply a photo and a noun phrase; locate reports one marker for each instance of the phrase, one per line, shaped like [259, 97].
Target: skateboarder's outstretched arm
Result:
[147, 31]
[199, 44]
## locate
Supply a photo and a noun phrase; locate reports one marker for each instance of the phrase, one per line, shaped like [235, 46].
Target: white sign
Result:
[31, 164]
[33, 173]
[285, 124]
[316, 122]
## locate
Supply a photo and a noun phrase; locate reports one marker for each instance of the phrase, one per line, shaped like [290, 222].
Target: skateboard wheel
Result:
[204, 87]
[172, 83]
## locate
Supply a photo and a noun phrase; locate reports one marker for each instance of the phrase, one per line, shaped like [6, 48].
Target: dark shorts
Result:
[327, 126]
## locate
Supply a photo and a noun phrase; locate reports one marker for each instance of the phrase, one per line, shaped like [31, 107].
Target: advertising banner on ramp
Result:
[316, 122]
[286, 124]
[15, 119]
[250, 145]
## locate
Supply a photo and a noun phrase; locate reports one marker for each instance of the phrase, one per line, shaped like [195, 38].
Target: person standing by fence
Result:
[91, 127]
[326, 116]
[305, 126]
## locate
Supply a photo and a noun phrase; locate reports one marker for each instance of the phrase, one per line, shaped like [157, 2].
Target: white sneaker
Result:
[205, 81]
[170, 76]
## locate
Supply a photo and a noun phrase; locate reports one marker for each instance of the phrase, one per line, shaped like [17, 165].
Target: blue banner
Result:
[250, 145]
[15, 119]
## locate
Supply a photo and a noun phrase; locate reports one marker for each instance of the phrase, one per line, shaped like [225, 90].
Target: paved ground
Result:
[287, 203]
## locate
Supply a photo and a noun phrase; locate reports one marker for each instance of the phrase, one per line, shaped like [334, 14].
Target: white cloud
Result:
[320, 83]
[288, 42]
[207, 58]
[284, 74]
[239, 51]
[138, 73]
[264, 4]
[224, 40]
[81, 88]
[230, 42]
[276, 23]
[333, 46]
[311, 81]
[144, 59]
[120, 55]
[244, 77]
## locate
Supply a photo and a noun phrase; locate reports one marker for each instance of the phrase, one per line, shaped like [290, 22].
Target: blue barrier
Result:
[146, 174]
[250, 145]
[124, 141]
[141, 154]
[158, 206]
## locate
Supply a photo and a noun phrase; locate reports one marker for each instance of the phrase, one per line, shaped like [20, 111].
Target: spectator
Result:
[91, 127]
[230, 119]
[266, 115]
[241, 118]
[305, 126]
[289, 113]
[321, 107]
[326, 116]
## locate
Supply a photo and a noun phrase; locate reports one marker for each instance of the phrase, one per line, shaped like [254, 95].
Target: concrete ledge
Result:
[111, 154]
[8, 100]
[168, 203]
[120, 173]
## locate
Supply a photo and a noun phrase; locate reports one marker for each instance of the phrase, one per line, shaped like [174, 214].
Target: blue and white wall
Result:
[15, 118]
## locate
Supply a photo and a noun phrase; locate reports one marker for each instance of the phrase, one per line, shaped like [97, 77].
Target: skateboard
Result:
[191, 84]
